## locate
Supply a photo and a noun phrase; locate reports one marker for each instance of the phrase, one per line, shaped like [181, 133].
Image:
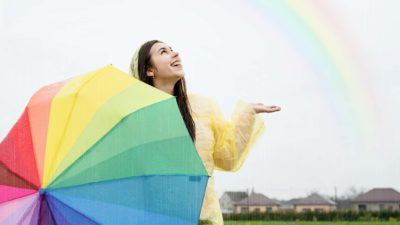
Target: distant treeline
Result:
[338, 215]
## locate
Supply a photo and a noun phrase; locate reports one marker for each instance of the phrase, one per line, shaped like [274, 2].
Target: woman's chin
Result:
[180, 75]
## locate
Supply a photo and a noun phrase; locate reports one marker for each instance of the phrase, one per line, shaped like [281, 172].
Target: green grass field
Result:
[307, 223]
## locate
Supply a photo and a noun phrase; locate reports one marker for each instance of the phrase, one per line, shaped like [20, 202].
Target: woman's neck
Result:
[167, 87]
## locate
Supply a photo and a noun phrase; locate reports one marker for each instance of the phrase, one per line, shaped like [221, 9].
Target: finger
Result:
[274, 109]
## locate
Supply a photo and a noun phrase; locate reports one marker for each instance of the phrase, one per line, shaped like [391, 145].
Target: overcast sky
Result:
[235, 50]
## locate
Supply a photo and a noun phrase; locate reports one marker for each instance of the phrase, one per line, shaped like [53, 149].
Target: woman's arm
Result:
[233, 139]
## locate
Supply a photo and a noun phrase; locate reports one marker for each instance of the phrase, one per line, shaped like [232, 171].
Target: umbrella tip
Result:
[42, 191]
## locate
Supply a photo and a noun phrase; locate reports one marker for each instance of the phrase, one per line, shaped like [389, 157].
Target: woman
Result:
[221, 145]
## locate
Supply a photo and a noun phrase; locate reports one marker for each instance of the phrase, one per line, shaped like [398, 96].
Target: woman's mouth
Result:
[176, 63]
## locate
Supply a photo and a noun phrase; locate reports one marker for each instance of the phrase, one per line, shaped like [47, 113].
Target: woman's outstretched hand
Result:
[261, 108]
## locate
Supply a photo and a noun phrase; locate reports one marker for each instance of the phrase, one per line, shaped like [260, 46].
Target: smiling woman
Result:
[221, 144]
[167, 75]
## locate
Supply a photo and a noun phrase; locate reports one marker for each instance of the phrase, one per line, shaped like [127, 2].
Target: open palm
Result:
[261, 108]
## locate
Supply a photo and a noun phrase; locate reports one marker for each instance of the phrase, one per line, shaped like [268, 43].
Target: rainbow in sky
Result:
[327, 48]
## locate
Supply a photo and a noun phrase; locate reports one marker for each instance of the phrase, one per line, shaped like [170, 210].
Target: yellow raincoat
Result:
[222, 145]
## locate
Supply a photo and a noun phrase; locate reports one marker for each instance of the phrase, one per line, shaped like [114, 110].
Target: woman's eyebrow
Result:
[164, 48]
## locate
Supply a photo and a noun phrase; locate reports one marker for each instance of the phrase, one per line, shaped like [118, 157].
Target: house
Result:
[343, 204]
[229, 198]
[256, 202]
[377, 199]
[314, 202]
[287, 205]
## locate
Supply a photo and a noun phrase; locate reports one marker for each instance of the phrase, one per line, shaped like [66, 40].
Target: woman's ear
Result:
[150, 72]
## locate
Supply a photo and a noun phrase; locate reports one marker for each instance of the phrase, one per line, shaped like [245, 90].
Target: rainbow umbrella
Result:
[100, 148]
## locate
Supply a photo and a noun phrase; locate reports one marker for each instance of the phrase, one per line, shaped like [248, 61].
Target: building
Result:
[343, 204]
[256, 202]
[314, 202]
[377, 199]
[229, 198]
[287, 205]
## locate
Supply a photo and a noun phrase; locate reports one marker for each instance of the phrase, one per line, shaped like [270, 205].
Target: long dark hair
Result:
[144, 63]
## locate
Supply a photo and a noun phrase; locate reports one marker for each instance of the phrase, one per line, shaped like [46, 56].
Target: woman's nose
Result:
[175, 54]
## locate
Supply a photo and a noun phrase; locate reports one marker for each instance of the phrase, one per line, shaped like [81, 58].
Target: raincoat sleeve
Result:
[233, 139]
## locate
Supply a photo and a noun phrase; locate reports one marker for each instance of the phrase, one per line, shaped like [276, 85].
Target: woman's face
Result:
[166, 64]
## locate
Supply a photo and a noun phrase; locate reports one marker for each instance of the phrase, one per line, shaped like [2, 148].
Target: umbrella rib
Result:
[29, 184]
[33, 149]
[12, 199]
[126, 178]
[43, 203]
[69, 116]
[36, 176]
[87, 152]
[114, 127]
[71, 192]
[17, 198]
[69, 207]
[32, 207]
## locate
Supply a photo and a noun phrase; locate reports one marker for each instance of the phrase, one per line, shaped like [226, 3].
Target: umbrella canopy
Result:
[100, 148]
